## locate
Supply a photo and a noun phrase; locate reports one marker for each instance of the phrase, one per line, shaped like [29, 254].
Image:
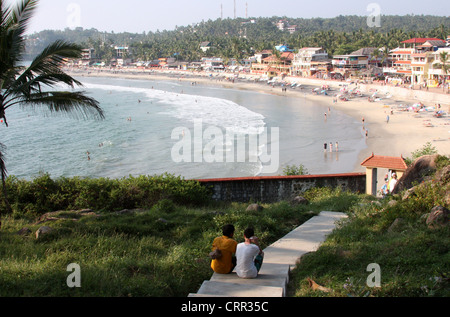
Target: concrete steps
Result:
[279, 258]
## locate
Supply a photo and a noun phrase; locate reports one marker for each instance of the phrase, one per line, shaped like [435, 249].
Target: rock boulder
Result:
[438, 217]
[417, 172]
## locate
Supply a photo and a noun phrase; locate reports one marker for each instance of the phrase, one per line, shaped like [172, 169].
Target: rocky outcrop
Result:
[65, 214]
[300, 200]
[418, 172]
[438, 217]
[42, 231]
[254, 207]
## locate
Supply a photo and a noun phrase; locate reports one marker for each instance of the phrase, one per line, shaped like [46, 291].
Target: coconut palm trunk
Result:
[443, 56]
[35, 86]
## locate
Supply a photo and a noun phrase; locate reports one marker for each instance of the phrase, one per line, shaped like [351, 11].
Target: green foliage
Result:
[325, 198]
[43, 194]
[295, 170]
[339, 35]
[442, 161]
[162, 251]
[413, 258]
[427, 149]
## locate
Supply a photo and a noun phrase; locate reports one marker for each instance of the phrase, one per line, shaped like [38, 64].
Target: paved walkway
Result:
[279, 259]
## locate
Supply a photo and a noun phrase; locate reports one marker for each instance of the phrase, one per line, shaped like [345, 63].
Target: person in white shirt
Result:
[392, 182]
[249, 256]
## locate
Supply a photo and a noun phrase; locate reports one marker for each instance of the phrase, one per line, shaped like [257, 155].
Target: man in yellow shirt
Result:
[227, 245]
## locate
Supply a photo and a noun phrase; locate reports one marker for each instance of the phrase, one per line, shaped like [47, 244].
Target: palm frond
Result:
[47, 64]
[13, 25]
[52, 57]
[26, 86]
[4, 13]
[74, 103]
[17, 22]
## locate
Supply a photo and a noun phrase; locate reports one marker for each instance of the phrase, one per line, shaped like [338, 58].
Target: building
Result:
[350, 62]
[393, 164]
[400, 63]
[273, 65]
[411, 64]
[87, 57]
[121, 51]
[212, 64]
[261, 55]
[419, 41]
[281, 64]
[435, 72]
[310, 60]
[205, 46]
[374, 58]
[292, 29]
[282, 25]
[348, 65]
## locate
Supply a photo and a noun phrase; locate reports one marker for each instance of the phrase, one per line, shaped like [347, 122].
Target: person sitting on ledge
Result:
[249, 256]
[227, 246]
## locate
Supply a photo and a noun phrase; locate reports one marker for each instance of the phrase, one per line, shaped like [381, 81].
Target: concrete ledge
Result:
[279, 258]
[305, 238]
[226, 289]
[271, 274]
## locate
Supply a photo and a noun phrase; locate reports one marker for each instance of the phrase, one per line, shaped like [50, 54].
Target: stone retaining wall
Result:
[271, 189]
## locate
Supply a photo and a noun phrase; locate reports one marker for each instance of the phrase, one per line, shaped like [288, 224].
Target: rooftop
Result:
[364, 51]
[421, 40]
[391, 162]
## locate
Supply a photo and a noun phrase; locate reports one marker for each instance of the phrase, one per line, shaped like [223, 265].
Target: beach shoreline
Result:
[397, 135]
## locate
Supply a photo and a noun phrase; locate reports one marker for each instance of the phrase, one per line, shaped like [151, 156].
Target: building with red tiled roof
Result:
[389, 162]
[421, 40]
[373, 162]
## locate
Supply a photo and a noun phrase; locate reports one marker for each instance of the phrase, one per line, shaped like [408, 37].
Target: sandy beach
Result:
[404, 132]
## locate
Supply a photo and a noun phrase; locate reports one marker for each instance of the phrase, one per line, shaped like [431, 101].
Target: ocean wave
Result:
[212, 111]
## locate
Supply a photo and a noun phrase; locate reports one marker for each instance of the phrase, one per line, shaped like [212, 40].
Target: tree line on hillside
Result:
[240, 38]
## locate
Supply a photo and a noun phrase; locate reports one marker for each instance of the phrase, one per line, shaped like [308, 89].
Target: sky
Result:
[137, 16]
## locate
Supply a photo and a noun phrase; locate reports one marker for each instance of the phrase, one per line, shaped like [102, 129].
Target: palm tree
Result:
[443, 56]
[26, 86]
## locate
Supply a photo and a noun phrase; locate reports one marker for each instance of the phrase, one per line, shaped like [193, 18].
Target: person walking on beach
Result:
[227, 246]
[249, 256]
[387, 119]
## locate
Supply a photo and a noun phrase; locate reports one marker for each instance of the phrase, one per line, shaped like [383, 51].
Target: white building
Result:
[212, 64]
[307, 60]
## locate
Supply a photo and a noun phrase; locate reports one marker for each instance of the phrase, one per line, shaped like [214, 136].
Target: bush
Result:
[44, 194]
[427, 149]
[295, 170]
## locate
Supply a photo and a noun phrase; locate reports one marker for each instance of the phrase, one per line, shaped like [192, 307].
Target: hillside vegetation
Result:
[240, 38]
[150, 236]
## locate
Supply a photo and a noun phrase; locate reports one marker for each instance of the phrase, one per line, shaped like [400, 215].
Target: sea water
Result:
[137, 135]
